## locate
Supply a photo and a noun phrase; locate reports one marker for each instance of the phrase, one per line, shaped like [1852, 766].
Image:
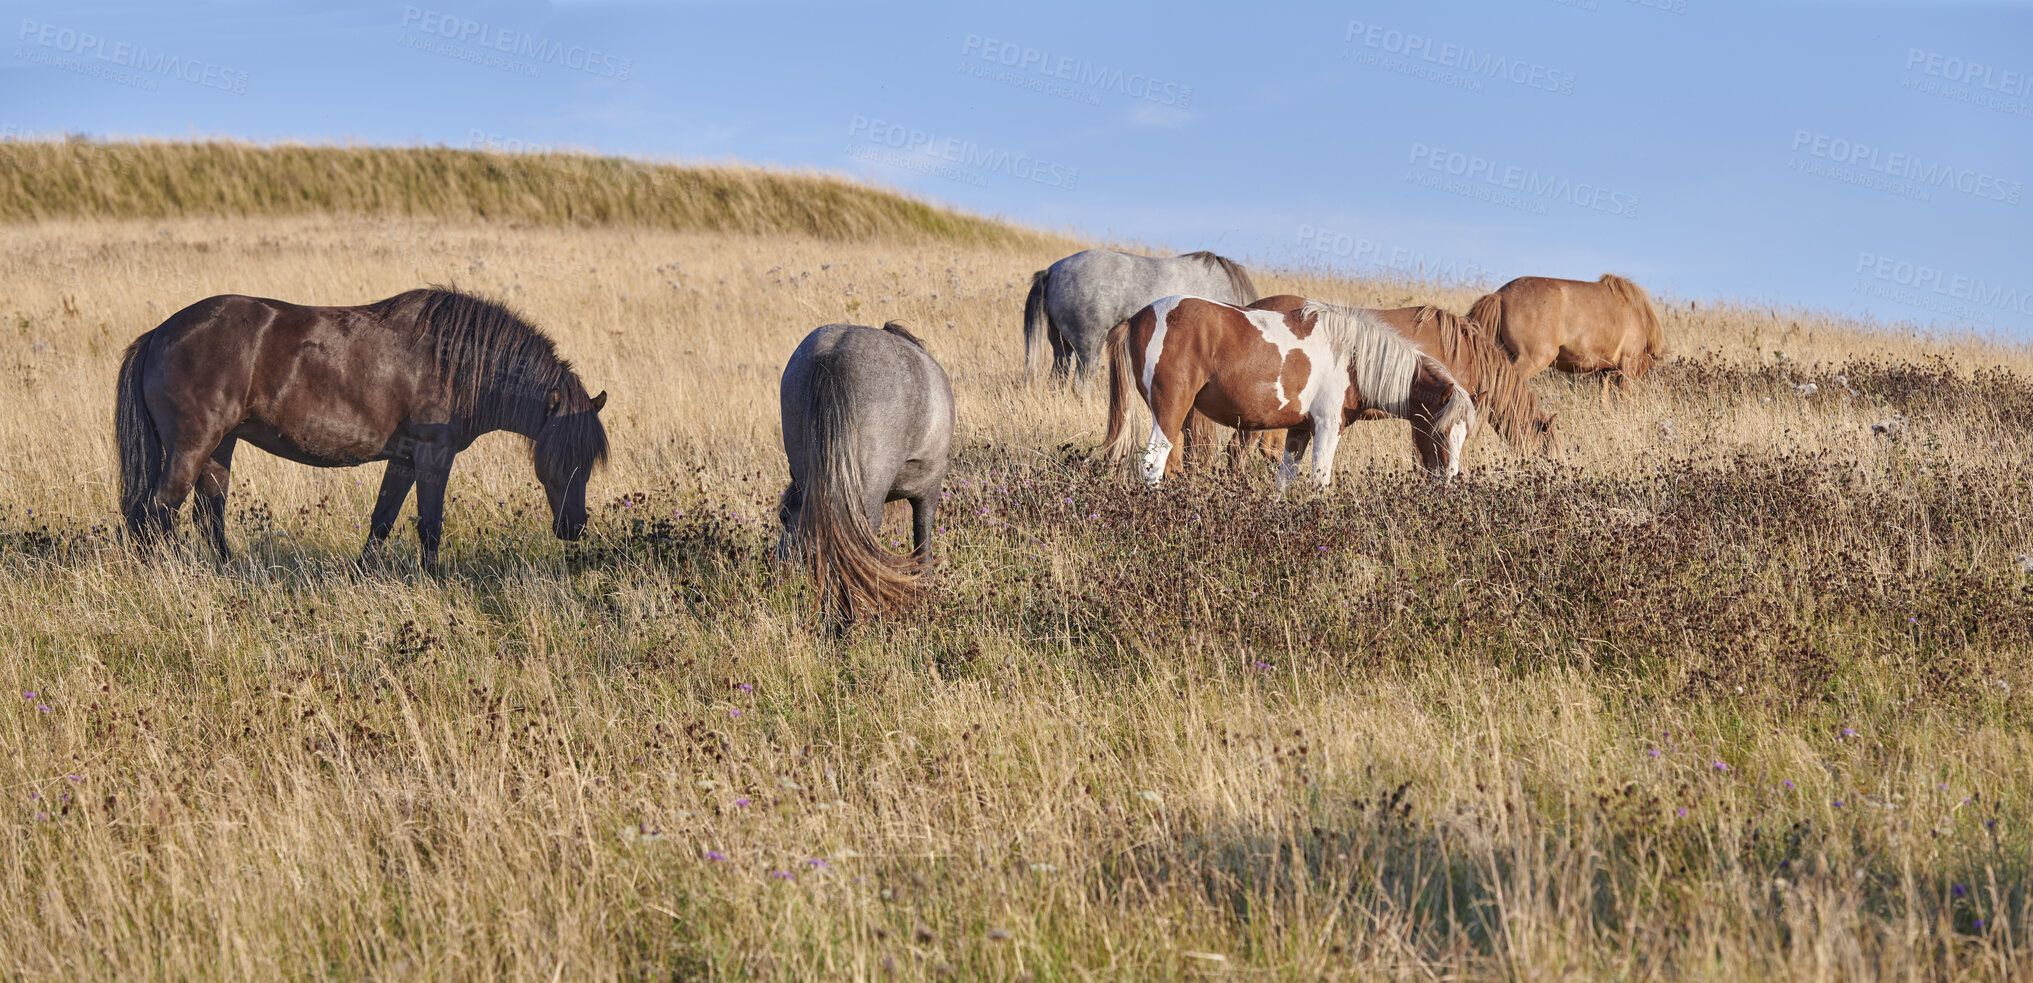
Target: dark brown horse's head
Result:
[571, 441]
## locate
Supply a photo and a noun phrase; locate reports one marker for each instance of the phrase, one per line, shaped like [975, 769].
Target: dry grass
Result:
[1396, 731]
[43, 179]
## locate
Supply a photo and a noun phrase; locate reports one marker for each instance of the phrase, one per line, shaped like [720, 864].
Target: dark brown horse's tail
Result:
[1037, 324]
[1120, 440]
[1489, 313]
[853, 571]
[141, 451]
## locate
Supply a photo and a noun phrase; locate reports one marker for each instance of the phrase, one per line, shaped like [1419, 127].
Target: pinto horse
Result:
[1575, 326]
[1308, 372]
[1477, 362]
[410, 380]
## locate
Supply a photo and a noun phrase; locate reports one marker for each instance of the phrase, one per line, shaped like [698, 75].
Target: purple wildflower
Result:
[817, 863]
[1721, 766]
[1653, 752]
[1958, 890]
[782, 875]
[743, 801]
[744, 687]
[1847, 732]
[28, 696]
[715, 855]
[734, 713]
[1789, 785]
[1681, 811]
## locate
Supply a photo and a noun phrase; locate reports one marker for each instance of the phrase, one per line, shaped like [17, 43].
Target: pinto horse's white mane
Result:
[1383, 360]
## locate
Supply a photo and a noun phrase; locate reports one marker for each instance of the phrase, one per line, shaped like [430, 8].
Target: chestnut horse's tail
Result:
[852, 569]
[1489, 313]
[141, 451]
[1121, 440]
[1642, 308]
[1037, 324]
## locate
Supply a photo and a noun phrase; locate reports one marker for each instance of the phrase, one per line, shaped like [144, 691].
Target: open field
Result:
[1737, 688]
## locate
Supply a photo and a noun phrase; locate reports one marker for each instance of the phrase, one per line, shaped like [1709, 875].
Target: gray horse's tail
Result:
[141, 451]
[1121, 440]
[854, 573]
[1037, 324]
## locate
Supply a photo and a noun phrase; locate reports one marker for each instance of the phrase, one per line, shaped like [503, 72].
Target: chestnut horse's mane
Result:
[1383, 360]
[1505, 400]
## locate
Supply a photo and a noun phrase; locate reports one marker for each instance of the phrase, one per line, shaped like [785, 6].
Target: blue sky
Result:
[1862, 158]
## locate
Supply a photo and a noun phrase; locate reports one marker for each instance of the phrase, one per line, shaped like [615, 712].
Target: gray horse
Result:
[1074, 302]
[868, 419]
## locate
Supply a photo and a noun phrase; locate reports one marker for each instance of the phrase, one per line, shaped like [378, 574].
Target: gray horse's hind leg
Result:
[924, 511]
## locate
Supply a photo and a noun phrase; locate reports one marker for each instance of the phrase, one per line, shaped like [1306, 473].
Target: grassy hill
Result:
[1737, 688]
[43, 180]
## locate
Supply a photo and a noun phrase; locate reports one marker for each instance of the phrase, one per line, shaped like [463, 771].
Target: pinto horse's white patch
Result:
[1157, 454]
[1163, 309]
[1271, 325]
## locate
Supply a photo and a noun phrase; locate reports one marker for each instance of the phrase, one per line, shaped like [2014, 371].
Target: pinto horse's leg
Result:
[1326, 437]
[395, 485]
[212, 484]
[1296, 440]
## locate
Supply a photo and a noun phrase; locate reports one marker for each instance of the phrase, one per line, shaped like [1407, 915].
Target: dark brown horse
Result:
[411, 380]
[1575, 326]
[1478, 363]
[1308, 372]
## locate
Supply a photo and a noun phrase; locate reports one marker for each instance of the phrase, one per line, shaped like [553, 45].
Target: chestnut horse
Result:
[1574, 325]
[1308, 372]
[1478, 363]
[410, 380]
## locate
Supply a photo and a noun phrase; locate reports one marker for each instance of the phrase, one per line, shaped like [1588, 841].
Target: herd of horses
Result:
[868, 414]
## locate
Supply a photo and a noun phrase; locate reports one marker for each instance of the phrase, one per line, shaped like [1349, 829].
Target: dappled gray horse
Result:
[868, 419]
[1076, 301]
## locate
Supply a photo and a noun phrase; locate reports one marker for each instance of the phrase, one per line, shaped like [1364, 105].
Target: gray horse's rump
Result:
[1076, 301]
[867, 419]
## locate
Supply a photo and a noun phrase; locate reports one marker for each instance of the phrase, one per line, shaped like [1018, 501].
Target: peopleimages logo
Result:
[1065, 68]
[1458, 59]
[56, 40]
[1967, 72]
[1511, 185]
[1906, 167]
[950, 157]
[1397, 259]
[521, 44]
[1939, 287]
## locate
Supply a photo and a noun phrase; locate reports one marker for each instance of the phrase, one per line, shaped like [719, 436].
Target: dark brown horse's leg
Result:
[212, 485]
[430, 512]
[395, 486]
[188, 459]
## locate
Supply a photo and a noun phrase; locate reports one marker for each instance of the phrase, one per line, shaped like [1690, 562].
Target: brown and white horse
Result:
[1481, 366]
[1308, 372]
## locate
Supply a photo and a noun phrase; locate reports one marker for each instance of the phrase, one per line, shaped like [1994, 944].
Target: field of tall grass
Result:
[1735, 688]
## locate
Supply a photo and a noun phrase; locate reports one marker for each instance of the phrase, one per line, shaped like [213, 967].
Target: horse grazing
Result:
[1308, 372]
[1574, 325]
[410, 380]
[1075, 302]
[867, 419]
[1476, 361]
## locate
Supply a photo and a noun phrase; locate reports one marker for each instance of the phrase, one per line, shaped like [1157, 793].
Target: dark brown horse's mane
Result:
[1238, 278]
[897, 328]
[493, 361]
[1508, 404]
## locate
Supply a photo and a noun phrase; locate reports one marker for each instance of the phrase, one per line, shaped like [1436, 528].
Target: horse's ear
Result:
[1547, 427]
[551, 401]
[600, 401]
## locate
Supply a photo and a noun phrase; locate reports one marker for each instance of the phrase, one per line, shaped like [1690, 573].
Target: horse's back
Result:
[899, 397]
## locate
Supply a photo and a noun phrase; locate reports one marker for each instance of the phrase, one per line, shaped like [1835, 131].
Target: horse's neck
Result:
[504, 411]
